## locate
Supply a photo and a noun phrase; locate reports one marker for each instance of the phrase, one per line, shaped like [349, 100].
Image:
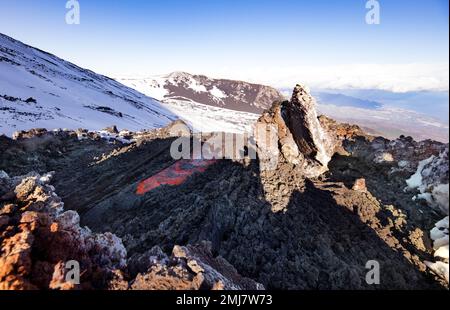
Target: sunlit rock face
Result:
[292, 145]
[301, 117]
[301, 139]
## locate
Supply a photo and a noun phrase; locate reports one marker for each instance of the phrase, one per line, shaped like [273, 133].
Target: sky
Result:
[322, 43]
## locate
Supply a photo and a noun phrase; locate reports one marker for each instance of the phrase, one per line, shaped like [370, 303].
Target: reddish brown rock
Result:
[360, 185]
[37, 245]
[189, 268]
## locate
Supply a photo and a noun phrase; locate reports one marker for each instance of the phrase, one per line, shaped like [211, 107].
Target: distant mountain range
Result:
[389, 122]
[188, 94]
[229, 94]
[392, 118]
[347, 101]
[430, 103]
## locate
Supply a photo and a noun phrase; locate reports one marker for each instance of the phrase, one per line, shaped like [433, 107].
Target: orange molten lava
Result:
[174, 175]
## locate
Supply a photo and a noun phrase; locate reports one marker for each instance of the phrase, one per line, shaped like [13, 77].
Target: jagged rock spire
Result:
[301, 117]
[301, 139]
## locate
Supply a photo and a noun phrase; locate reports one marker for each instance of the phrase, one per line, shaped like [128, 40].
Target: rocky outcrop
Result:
[360, 185]
[301, 139]
[40, 241]
[405, 150]
[414, 175]
[311, 139]
[340, 132]
[189, 267]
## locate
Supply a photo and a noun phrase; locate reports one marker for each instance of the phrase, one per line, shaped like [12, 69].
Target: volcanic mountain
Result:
[229, 94]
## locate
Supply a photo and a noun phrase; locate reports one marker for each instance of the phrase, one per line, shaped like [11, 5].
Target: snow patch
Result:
[3, 175]
[415, 181]
[439, 234]
[111, 137]
[403, 164]
[440, 268]
[206, 118]
[427, 180]
[442, 252]
[440, 195]
[153, 87]
[45, 179]
[197, 87]
[217, 93]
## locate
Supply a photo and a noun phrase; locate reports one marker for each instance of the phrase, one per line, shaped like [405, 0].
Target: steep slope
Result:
[229, 94]
[38, 89]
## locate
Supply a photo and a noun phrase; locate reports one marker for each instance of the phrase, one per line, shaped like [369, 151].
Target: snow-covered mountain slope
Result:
[229, 94]
[38, 89]
[206, 118]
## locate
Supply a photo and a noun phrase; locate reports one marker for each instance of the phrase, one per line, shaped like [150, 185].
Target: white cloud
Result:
[390, 77]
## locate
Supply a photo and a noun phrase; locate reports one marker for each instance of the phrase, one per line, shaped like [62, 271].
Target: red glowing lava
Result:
[174, 175]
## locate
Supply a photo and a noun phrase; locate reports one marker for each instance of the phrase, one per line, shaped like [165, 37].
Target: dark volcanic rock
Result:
[112, 129]
[38, 238]
[322, 239]
[189, 267]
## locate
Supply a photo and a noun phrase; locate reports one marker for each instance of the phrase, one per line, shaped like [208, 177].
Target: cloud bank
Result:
[398, 78]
